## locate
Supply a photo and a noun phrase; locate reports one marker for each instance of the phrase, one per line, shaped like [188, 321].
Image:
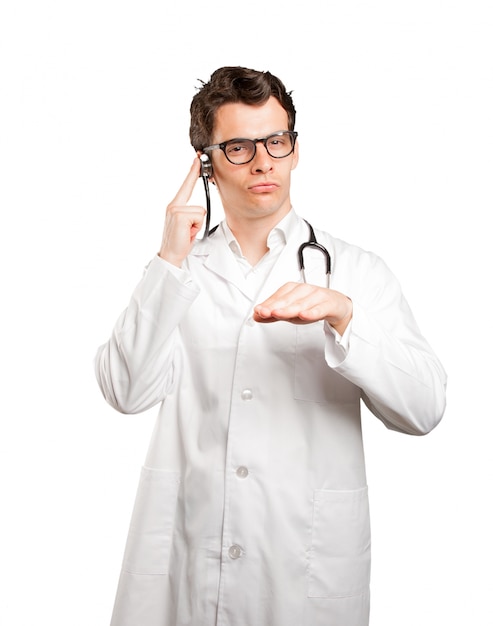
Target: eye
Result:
[236, 147]
[278, 141]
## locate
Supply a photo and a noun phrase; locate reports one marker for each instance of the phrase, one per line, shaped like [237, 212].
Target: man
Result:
[252, 508]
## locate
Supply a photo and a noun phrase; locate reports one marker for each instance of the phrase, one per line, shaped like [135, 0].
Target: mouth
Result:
[263, 187]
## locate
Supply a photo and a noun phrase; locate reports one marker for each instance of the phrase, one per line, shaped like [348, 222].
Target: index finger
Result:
[185, 191]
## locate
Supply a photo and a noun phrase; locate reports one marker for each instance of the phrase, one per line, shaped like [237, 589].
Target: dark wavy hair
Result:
[234, 84]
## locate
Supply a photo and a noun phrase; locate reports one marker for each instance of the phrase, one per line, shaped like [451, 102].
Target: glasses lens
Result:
[280, 145]
[239, 151]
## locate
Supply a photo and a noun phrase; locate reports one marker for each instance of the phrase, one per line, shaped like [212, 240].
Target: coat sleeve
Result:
[134, 368]
[402, 381]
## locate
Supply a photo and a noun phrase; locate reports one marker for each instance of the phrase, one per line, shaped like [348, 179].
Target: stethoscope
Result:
[311, 243]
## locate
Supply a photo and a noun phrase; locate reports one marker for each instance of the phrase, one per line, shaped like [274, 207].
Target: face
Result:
[258, 190]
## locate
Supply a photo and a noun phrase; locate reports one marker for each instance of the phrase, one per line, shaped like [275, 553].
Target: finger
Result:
[280, 295]
[185, 191]
[302, 302]
[288, 294]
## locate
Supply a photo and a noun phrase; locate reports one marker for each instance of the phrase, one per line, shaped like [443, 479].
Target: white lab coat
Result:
[252, 508]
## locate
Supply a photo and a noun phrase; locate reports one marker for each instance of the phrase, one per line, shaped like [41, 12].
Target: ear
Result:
[296, 156]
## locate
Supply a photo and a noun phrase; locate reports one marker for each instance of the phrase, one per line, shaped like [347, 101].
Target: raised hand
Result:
[182, 222]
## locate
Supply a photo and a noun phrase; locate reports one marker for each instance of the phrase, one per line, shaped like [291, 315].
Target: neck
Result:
[253, 251]
[252, 236]
[253, 243]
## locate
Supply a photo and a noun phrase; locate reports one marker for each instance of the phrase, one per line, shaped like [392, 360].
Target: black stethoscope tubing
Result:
[208, 205]
[313, 243]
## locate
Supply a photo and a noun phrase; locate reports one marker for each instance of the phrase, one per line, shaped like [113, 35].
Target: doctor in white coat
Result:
[252, 508]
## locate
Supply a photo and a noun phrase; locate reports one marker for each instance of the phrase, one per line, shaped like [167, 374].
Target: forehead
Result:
[237, 119]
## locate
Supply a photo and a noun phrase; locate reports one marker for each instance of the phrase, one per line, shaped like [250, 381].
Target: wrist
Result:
[341, 323]
[170, 258]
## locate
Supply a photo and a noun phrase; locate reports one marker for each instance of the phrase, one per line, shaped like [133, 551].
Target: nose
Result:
[262, 161]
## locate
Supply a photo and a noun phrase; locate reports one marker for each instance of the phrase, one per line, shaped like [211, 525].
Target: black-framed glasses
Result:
[240, 151]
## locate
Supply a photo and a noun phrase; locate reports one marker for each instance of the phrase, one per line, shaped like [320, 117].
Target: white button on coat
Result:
[234, 552]
[246, 394]
[242, 472]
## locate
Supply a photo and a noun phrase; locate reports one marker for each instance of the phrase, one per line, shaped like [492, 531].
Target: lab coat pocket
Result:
[340, 551]
[151, 527]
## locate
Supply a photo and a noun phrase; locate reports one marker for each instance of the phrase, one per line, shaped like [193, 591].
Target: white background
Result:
[394, 104]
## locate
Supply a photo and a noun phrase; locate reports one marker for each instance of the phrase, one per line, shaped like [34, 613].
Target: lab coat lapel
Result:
[220, 260]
